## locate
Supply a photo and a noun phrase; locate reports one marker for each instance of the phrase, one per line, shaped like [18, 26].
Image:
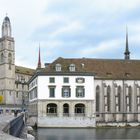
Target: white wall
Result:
[43, 87]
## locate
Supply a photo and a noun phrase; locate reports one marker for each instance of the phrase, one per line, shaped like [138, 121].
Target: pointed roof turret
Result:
[126, 53]
[39, 59]
[6, 27]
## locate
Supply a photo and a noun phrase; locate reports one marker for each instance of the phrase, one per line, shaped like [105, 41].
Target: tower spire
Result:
[126, 53]
[6, 27]
[39, 59]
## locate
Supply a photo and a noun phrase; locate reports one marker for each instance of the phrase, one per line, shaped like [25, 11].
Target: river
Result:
[87, 134]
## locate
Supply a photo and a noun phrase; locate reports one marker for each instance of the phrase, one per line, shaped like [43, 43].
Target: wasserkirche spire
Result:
[126, 53]
[39, 59]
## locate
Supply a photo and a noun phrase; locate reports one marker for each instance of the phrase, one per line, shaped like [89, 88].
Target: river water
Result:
[87, 134]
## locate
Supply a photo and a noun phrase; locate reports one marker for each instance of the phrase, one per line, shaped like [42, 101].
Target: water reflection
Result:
[88, 134]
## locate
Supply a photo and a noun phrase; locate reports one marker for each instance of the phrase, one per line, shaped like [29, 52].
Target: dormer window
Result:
[58, 67]
[72, 67]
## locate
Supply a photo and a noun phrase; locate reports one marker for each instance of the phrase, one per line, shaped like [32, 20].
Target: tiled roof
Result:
[103, 68]
[24, 70]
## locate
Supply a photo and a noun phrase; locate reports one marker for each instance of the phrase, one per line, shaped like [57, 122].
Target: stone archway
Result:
[80, 109]
[51, 109]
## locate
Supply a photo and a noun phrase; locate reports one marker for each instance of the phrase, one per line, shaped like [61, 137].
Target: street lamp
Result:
[23, 99]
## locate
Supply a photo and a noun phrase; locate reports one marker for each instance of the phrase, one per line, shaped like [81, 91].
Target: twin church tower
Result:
[7, 64]
[13, 79]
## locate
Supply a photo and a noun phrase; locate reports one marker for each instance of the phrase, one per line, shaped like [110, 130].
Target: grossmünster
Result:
[71, 92]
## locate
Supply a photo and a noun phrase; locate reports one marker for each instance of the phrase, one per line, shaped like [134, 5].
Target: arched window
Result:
[108, 98]
[10, 60]
[79, 109]
[66, 110]
[2, 57]
[129, 99]
[97, 99]
[52, 109]
[119, 99]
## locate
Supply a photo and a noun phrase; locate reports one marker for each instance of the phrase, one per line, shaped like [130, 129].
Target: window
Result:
[72, 67]
[51, 80]
[31, 94]
[35, 92]
[80, 91]
[129, 100]
[17, 85]
[66, 110]
[97, 98]
[52, 109]
[118, 100]
[58, 67]
[108, 98]
[17, 94]
[66, 80]
[10, 60]
[2, 57]
[80, 80]
[79, 109]
[66, 92]
[52, 91]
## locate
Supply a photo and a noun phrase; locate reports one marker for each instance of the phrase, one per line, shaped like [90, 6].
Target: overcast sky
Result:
[72, 28]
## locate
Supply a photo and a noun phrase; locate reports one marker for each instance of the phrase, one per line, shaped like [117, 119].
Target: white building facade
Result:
[111, 93]
[59, 100]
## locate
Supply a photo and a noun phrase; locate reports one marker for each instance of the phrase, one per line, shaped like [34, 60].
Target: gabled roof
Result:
[24, 70]
[103, 68]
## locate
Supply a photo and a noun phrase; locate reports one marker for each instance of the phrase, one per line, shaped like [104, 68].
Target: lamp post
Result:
[23, 98]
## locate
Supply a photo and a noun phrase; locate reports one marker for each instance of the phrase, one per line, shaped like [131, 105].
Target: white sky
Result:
[72, 28]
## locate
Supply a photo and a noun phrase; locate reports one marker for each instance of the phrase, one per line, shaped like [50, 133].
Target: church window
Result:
[129, 99]
[10, 60]
[16, 85]
[10, 93]
[2, 57]
[97, 98]
[138, 97]
[17, 94]
[9, 45]
[118, 99]
[108, 98]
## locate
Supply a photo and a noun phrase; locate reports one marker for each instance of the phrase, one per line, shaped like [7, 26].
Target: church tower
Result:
[39, 59]
[126, 53]
[7, 64]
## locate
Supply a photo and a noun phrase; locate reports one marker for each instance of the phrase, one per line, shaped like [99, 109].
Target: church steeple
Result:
[126, 53]
[6, 27]
[39, 59]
